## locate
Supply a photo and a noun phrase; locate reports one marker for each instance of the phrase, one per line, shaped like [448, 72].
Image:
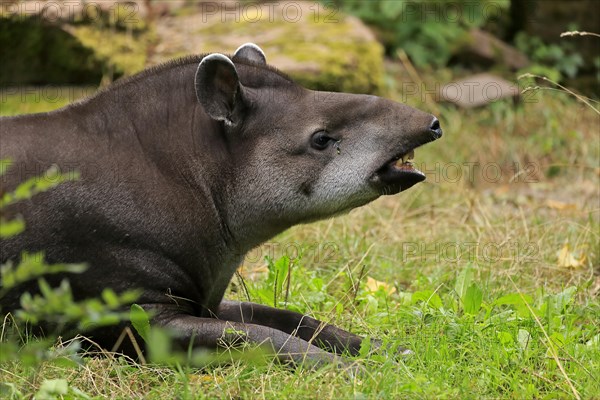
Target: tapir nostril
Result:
[435, 128]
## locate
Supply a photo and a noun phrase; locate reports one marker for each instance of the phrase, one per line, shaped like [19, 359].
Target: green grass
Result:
[475, 283]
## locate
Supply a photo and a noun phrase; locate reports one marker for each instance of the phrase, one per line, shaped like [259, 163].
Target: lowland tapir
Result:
[186, 167]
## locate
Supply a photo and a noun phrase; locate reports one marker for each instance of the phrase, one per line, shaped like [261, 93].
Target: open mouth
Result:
[399, 174]
[404, 163]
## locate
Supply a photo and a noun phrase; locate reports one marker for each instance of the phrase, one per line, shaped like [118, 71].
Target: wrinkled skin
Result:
[184, 169]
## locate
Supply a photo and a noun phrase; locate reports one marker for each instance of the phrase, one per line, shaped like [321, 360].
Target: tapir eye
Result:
[320, 140]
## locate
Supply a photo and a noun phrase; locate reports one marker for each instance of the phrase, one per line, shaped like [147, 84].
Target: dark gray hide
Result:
[188, 166]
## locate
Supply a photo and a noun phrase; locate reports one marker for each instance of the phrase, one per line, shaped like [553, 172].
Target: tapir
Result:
[186, 167]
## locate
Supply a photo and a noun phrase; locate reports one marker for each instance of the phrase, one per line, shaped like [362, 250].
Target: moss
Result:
[124, 52]
[318, 54]
[355, 67]
[35, 52]
[38, 53]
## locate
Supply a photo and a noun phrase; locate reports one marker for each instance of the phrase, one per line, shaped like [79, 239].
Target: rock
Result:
[485, 49]
[478, 90]
[318, 47]
[35, 54]
[72, 42]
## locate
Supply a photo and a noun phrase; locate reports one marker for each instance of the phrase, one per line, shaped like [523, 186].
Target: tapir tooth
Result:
[408, 156]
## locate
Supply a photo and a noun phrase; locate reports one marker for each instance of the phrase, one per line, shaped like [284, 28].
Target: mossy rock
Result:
[123, 52]
[320, 50]
[35, 53]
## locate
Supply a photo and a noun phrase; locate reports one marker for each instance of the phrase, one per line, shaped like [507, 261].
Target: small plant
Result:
[428, 31]
[51, 304]
[286, 286]
[556, 61]
[549, 75]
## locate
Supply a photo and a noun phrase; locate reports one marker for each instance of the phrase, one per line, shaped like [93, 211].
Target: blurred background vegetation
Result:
[324, 45]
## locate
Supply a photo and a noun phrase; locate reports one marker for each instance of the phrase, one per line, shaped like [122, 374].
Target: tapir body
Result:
[186, 167]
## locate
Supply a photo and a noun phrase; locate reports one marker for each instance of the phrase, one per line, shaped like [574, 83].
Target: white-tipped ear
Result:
[251, 52]
[218, 87]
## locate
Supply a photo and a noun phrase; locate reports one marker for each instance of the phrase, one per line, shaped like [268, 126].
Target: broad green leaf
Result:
[129, 296]
[11, 228]
[282, 266]
[110, 298]
[37, 184]
[33, 266]
[429, 297]
[505, 338]
[9, 351]
[563, 299]
[78, 394]
[140, 321]
[463, 281]
[472, 299]
[523, 338]
[365, 347]
[64, 362]
[502, 317]
[159, 346]
[278, 274]
[51, 388]
[518, 301]
[513, 299]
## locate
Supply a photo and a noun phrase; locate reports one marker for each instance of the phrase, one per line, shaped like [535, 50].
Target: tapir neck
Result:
[250, 225]
[156, 114]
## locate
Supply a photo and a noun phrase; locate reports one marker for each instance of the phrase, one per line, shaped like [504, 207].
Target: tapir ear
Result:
[251, 52]
[218, 88]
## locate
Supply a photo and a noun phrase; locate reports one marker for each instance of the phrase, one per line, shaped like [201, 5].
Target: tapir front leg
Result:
[323, 335]
[213, 333]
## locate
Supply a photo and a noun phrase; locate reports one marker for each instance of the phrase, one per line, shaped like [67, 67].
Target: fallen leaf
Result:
[502, 190]
[203, 380]
[374, 285]
[559, 205]
[567, 258]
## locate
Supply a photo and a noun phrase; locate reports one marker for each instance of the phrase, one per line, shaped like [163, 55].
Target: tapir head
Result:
[299, 155]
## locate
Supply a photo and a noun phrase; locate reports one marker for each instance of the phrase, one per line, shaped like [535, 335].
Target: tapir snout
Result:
[410, 128]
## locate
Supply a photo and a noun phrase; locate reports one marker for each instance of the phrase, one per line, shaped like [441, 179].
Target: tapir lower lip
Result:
[392, 178]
